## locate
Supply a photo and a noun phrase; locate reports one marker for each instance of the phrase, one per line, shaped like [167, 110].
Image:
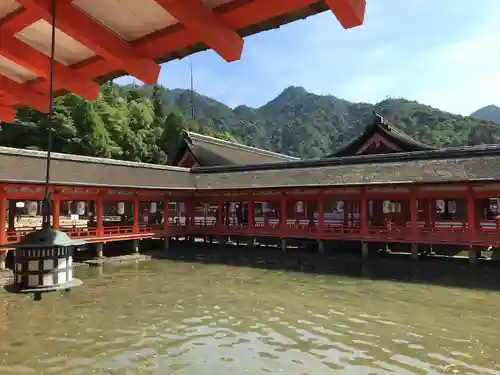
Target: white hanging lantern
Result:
[440, 205]
[299, 207]
[32, 208]
[452, 207]
[386, 207]
[80, 208]
[339, 206]
[152, 208]
[120, 208]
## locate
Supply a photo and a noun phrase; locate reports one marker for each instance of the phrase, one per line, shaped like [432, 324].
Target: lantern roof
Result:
[96, 40]
[46, 237]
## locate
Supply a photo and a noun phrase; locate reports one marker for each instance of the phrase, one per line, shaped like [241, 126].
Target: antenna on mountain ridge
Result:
[193, 116]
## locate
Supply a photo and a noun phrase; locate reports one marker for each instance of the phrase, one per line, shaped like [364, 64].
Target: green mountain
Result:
[489, 113]
[146, 123]
[303, 124]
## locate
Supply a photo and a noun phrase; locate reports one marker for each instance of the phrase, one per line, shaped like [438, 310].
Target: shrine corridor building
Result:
[384, 189]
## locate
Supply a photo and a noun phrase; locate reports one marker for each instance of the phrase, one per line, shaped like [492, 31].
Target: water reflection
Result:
[166, 317]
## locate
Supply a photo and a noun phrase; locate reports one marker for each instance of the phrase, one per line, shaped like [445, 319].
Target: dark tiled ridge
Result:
[439, 154]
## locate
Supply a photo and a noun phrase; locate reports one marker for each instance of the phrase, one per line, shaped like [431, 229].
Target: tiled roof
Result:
[27, 166]
[379, 125]
[210, 151]
[480, 163]
[466, 164]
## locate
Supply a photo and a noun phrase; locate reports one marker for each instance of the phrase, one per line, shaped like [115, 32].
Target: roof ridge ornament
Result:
[379, 119]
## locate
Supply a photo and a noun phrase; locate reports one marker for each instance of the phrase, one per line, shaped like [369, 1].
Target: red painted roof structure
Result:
[103, 39]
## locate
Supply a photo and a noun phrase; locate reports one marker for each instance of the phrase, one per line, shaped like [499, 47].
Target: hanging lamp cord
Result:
[46, 200]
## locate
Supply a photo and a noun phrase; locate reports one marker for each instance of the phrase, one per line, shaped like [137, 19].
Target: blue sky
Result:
[445, 53]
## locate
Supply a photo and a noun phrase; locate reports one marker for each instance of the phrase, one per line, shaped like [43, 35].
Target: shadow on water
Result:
[451, 272]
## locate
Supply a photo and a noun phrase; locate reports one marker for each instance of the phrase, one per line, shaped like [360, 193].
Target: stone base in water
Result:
[127, 258]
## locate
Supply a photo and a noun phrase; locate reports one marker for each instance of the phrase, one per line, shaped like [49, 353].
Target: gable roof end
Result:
[391, 133]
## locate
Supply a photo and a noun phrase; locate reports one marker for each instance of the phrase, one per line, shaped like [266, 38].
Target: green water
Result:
[162, 317]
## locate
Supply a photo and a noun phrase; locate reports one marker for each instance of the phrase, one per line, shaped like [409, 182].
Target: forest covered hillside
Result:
[146, 123]
[302, 124]
[488, 113]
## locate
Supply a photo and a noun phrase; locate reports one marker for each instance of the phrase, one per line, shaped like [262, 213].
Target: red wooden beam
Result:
[172, 38]
[78, 25]
[136, 56]
[7, 114]
[24, 95]
[162, 42]
[18, 20]
[207, 26]
[39, 63]
[350, 13]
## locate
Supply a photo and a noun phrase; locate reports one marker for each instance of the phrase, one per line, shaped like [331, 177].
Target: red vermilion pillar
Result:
[135, 214]
[99, 203]
[433, 212]
[321, 214]
[250, 213]
[193, 206]
[363, 213]
[363, 221]
[265, 213]
[283, 212]
[56, 213]
[187, 213]
[426, 212]
[347, 211]
[166, 224]
[472, 225]
[3, 232]
[220, 221]
[220, 213]
[3, 218]
[471, 215]
[413, 208]
[413, 214]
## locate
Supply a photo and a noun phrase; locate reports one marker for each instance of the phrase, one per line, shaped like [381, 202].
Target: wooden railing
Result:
[487, 233]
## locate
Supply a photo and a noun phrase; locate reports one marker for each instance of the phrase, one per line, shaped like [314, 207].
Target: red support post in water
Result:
[413, 214]
[321, 214]
[220, 213]
[471, 215]
[283, 209]
[166, 225]
[3, 217]
[135, 214]
[433, 212]
[363, 213]
[250, 213]
[99, 203]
